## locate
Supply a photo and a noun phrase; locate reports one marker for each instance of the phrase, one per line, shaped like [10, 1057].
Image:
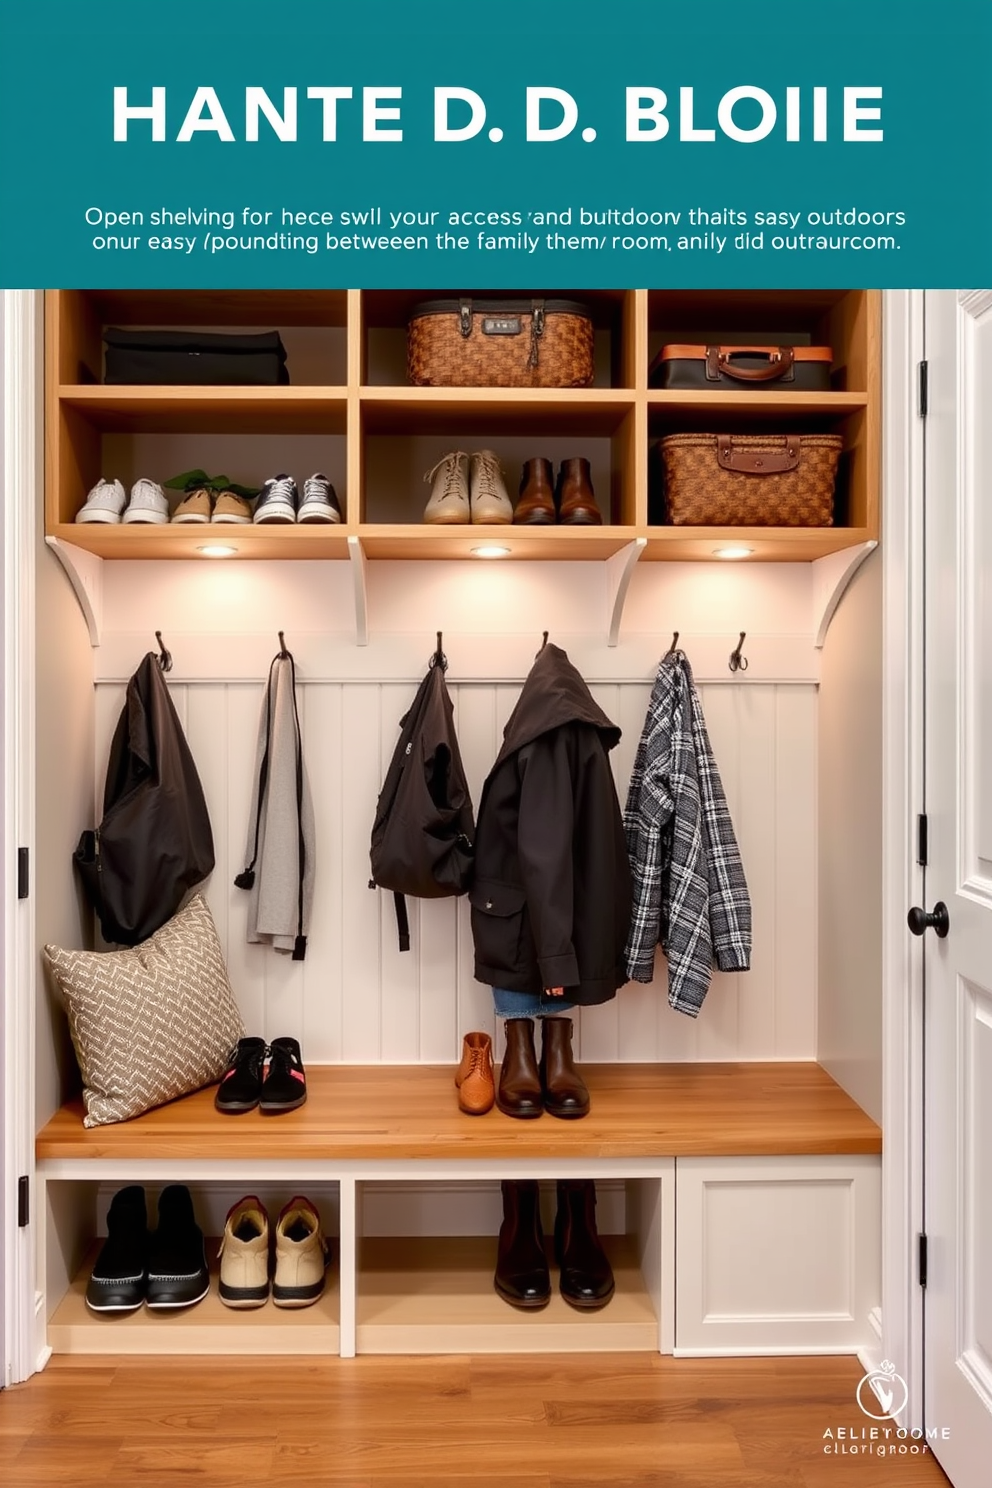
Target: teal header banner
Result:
[611, 144]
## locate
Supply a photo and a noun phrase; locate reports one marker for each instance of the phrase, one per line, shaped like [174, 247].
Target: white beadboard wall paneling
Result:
[356, 998]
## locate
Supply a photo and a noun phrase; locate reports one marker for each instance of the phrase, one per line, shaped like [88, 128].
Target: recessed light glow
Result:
[216, 550]
[732, 552]
[490, 550]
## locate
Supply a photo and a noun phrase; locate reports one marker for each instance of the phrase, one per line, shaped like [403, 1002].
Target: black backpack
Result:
[422, 837]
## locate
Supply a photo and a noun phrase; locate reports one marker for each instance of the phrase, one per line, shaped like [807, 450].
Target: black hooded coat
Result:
[551, 899]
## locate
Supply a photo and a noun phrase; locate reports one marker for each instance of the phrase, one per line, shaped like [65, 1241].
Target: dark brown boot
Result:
[536, 503]
[522, 1277]
[576, 499]
[519, 1092]
[586, 1274]
[565, 1092]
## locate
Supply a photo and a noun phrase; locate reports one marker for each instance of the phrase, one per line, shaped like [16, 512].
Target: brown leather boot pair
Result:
[522, 1276]
[570, 502]
[526, 1088]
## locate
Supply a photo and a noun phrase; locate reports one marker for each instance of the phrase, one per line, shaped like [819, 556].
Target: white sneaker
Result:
[449, 493]
[105, 503]
[301, 1256]
[489, 500]
[148, 503]
[244, 1255]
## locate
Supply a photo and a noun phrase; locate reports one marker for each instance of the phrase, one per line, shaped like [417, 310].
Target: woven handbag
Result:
[500, 343]
[750, 480]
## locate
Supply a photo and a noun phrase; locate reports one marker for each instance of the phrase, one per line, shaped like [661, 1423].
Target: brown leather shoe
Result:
[522, 1276]
[520, 1092]
[586, 1274]
[565, 1092]
[474, 1076]
[536, 503]
[575, 496]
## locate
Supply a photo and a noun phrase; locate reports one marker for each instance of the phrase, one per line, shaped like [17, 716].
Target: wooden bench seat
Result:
[402, 1112]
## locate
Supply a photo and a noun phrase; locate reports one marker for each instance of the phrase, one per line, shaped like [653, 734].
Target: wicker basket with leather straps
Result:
[750, 480]
[500, 343]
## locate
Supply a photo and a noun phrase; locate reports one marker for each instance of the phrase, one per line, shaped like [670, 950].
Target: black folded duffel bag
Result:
[195, 357]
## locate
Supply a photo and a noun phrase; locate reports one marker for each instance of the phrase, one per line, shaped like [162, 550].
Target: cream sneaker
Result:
[195, 506]
[302, 1255]
[148, 503]
[244, 1255]
[489, 501]
[449, 494]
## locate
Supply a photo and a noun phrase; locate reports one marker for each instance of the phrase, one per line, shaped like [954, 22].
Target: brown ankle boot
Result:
[586, 1274]
[474, 1076]
[536, 504]
[522, 1276]
[576, 500]
[519, 1092]
[565, 1092]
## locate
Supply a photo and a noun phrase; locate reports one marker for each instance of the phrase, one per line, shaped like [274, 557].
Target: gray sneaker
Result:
[148, 503]
[104, 503]
[489, 500]
[449, 494]
[320, 501]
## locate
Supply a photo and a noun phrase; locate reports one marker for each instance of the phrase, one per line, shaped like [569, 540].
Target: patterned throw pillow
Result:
[152, 1022]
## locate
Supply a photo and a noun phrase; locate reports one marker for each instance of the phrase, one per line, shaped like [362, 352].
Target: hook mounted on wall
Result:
[674, 646]
[283, 653]
[165, 657]
[738, 662]
[439, 658]
[544, 642]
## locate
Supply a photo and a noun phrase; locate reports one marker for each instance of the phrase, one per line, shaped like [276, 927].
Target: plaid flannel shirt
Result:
[690, 894]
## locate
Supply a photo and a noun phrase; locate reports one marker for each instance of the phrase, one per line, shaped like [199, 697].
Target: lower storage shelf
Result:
[206, 1328]
[432, 1295]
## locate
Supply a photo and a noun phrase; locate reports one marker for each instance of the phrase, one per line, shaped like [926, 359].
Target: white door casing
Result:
[958, 1355]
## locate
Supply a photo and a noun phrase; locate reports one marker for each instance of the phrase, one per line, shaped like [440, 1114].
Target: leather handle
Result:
[753, 461]
[719, 362]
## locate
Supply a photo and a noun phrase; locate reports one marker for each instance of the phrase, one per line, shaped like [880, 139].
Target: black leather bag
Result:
[422, 836]
[202, 357]
[154, 843]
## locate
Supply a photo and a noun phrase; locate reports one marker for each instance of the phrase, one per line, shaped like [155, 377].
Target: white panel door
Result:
[958, 1341]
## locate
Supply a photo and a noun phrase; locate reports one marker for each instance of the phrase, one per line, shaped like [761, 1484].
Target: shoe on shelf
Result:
[105, 502]
[565, 1092]
[320, 501]
[244, 1255]
[278, 500]
[119, 1278]
[536, 502]
[195, 506]
[574, 495]
[522, 1277]
[586, 1275]
[285, 1084]
[520, 1092]
[474, 1076]
[230, 507]
[302, 1256]
[241, 1083]
[177, 1262]
[487, 493]
[448, 502]
[148, 503]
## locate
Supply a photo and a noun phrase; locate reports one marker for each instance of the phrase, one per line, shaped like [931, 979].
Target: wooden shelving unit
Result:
[349, 404]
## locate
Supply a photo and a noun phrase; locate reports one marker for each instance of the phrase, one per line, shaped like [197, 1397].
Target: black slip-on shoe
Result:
[285, 1084]
[241, 1083]
[119, 1278]
[178, 1274]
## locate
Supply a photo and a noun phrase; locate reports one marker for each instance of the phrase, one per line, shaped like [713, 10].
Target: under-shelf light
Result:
[732, 552]
[216, 550]
[490, 550]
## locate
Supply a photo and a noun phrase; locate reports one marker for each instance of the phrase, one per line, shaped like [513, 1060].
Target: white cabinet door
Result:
[958, 967]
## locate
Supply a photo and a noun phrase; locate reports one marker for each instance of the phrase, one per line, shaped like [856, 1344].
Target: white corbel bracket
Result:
[619, 567]
[85, 572]
[831, 576]
[360, 580]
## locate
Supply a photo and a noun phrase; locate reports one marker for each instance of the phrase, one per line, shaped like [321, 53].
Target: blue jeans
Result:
[528, 1004]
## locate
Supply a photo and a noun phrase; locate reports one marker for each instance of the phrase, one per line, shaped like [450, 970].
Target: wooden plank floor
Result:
[410, 1111]
[614, 1421]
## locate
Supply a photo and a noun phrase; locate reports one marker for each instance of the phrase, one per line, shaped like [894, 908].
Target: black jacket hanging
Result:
[154, 843]
[424, 826]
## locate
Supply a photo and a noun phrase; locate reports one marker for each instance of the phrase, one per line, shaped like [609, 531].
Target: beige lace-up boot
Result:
[449, 494]
[488, 497]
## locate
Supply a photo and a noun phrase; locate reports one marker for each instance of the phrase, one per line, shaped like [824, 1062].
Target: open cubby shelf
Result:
[350, 413]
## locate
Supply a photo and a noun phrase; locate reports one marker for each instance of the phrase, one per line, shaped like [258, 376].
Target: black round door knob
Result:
[937, 920]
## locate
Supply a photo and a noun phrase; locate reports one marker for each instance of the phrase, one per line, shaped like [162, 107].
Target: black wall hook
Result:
[439, 658]
[674, 646]
[738, 663]
[283, 653]
[165, 657]
[544, 642]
